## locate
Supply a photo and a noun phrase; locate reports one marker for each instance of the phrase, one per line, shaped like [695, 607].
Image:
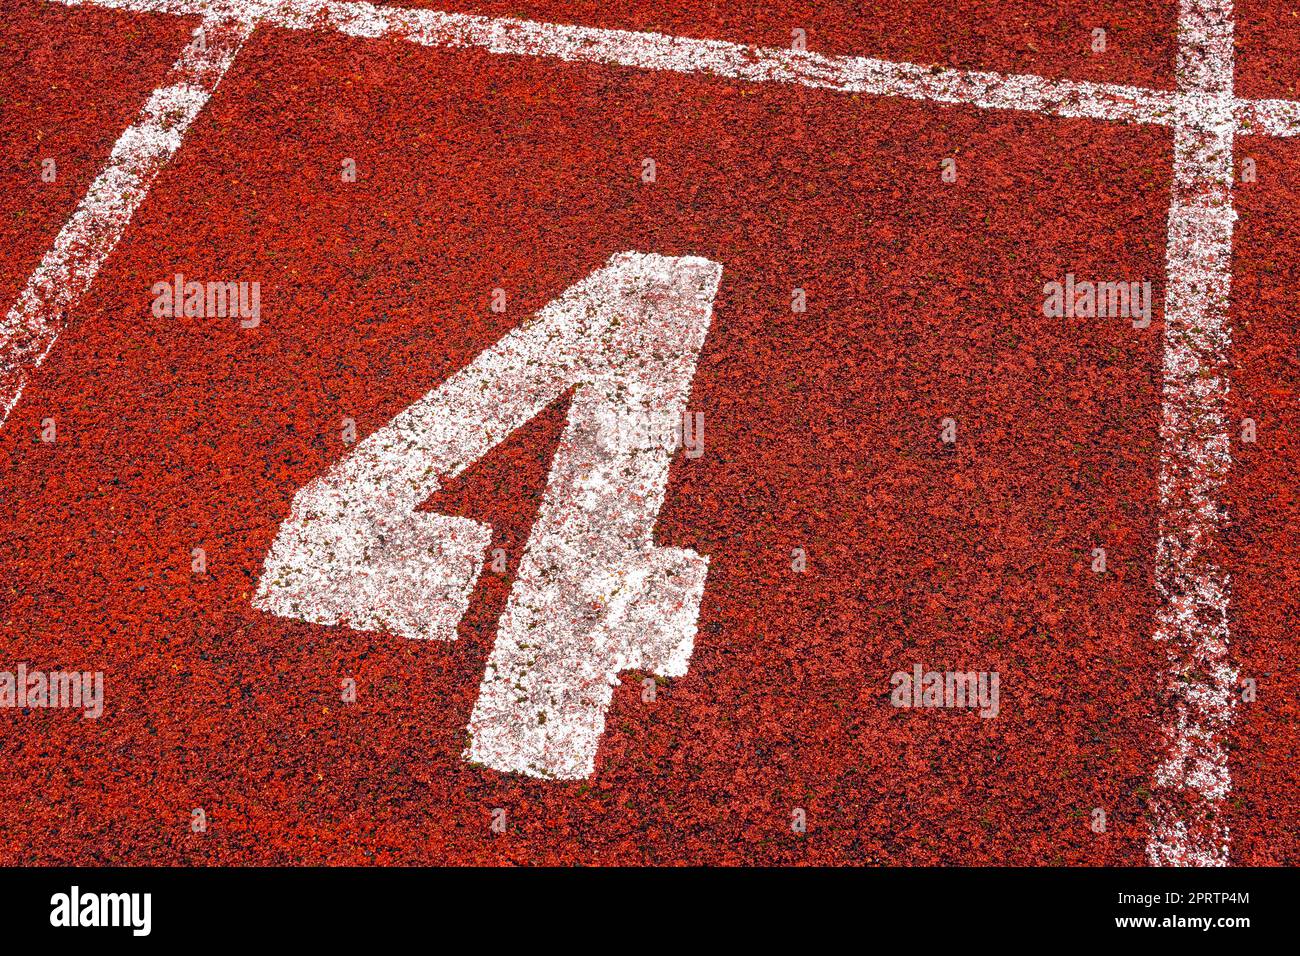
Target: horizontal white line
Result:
[1268, 117]
[655, 51]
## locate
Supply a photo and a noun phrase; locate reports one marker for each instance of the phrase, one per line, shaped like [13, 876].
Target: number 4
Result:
[594, 595]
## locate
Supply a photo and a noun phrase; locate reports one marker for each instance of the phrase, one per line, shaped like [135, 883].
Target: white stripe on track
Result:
[656, 51]
[1192, 781]
[1268, 117]
[67, 270]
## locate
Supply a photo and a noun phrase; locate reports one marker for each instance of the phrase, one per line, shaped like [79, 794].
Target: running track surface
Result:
[482, 170]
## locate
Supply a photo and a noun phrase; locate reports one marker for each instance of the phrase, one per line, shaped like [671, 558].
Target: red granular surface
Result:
[1262, 545]
[73, 79]
[821, 429]
[1048, 37]
[1268, 41]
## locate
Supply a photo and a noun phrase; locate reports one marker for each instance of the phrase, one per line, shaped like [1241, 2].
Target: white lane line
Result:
[1268, 117]
[655, 51]
[1193, 779]
[67, 270]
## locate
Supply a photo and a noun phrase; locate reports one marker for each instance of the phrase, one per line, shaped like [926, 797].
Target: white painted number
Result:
[594, 595]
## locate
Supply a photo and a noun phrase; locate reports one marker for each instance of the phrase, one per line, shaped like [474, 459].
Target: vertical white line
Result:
[1192, 779]
[67, 270]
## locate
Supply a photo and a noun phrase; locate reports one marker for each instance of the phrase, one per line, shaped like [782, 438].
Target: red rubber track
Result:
[822, 433]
